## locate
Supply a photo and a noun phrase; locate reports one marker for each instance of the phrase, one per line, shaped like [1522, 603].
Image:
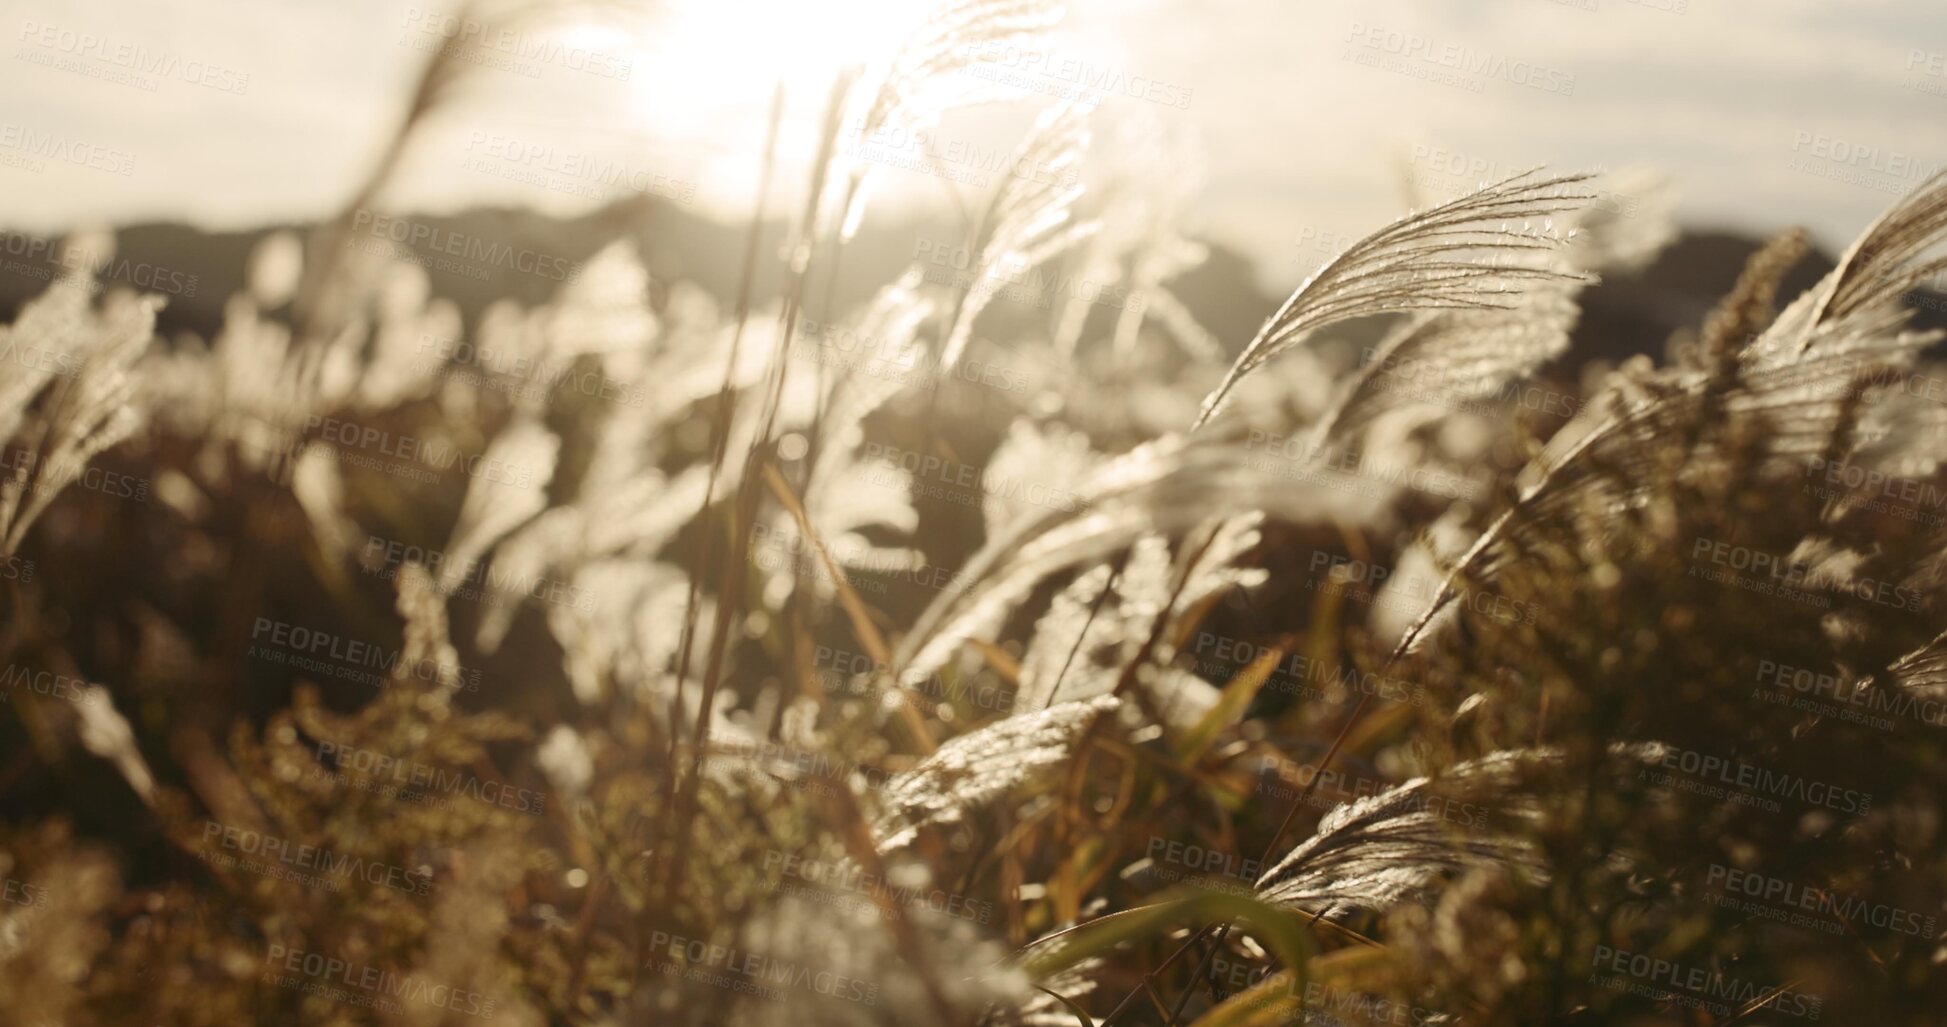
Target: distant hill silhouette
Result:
[1623, 315]
[1632, 313]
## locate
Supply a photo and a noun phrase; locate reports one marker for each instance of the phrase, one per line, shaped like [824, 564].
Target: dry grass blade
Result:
[1030, 219]
[321, 304]
[1859, 302]
[1922, 672]
[1160, 488]
[1382, 849]
[1092, 614]
[845, 495]
[855, 609]
[1472, 253]
[106, 733]
[1792, 406]
[927, 75]
[981, 766]
[511, 489]
[1751, 304]
[1449, 359]
[44, 340]
[83, 413]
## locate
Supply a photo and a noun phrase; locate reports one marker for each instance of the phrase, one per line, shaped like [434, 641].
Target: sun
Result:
[704, 74]
[715, 59]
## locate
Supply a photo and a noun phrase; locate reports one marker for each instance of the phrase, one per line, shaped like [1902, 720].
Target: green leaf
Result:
[1287, 936]
[1279, 998]
[1230, 707]
[1080, 1013]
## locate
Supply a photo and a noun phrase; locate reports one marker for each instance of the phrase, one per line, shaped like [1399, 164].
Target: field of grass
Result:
[647, 658]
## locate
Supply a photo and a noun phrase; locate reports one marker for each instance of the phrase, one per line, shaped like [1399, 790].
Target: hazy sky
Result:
[1309, 119]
